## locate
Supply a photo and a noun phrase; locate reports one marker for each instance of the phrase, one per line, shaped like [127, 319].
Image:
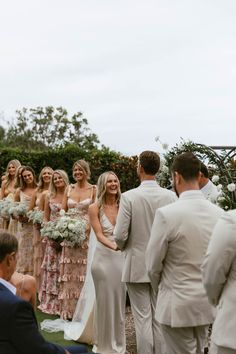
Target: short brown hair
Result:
[204, 170]
[8, 244]
[187, 165]
[150, 162]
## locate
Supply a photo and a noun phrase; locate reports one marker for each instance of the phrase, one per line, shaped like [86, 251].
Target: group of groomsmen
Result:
[173, 274]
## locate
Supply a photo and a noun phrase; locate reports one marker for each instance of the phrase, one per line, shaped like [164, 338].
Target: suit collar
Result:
[192, 194]
[148, 183]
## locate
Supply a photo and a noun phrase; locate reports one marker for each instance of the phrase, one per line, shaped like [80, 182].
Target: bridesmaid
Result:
[25, 228]
[8, 185]
[107, 269]
[48, 293]
[73, 261]
[37, 203]
[13, 225]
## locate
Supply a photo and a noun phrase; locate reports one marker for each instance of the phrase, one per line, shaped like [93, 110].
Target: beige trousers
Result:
[143, 304]
[184, 340]
[215, 349]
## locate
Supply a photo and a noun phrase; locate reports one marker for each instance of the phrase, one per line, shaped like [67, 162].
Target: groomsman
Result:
[207, 187]
[219, 277]
[132, 232]
[177, 246]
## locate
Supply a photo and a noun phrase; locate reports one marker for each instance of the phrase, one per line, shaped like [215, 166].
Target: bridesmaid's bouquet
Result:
[18, 209]
[36, 216]
[5, 206]
[71, 229]
[48, 230]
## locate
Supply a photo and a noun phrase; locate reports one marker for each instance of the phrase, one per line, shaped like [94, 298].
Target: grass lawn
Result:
[57, 338]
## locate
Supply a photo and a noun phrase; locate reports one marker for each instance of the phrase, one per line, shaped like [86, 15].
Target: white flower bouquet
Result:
[36, 216]
[5, 206]
[18, 209]
[72, 230]
[48, 230]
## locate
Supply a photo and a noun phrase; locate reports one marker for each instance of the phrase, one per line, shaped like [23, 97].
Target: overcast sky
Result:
[135, 68]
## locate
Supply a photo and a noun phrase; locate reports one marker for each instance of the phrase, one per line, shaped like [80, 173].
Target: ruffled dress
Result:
[73, 264]
[49, 290]
[25, 237]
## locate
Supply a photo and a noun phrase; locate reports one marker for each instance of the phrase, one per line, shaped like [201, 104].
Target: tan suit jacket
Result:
[219, 276]
[178, 244]
[132, 232]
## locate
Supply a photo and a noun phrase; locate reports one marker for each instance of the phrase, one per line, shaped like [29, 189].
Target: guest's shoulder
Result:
[167, 193]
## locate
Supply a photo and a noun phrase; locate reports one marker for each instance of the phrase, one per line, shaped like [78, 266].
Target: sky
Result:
[137, 69]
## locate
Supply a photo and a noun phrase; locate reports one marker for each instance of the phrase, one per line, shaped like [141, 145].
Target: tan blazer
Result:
[178, 244]
[133, 226]
[219, 277]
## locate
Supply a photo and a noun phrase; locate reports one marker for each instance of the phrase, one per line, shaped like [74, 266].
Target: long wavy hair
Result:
[16, 164]
[18, 176]
[23, 184]
[52, 188]
[102, 188]
[84, 166]
[41, 182]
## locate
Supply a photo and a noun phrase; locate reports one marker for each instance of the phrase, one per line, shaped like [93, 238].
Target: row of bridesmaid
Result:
[60, 270]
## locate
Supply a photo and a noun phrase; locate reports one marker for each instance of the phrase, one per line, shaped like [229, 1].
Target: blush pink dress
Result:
[48, 293]
[73, 263]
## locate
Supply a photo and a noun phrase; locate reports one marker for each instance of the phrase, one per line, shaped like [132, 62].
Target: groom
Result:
[18, 326]
[135, 217]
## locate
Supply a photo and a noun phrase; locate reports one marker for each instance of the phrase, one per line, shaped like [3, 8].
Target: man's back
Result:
[134, 222]
[186, 229]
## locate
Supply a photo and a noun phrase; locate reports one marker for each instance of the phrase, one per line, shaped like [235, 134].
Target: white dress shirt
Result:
[8, 285]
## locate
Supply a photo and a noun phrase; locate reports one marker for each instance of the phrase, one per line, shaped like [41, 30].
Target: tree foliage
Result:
[43, 128]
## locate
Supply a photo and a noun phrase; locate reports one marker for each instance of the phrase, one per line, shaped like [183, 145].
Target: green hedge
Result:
[100, 160]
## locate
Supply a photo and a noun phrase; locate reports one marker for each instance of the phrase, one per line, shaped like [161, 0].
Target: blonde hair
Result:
[41, 182]
[52, 189]
[84, 166]
[101, 188]
[18, 176]
[16, 164]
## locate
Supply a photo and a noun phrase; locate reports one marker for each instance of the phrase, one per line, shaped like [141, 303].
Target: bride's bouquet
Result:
[18, 209]
[5, 206]
[36, 216]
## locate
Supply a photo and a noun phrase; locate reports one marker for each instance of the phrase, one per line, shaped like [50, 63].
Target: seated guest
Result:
[207, 187]
[219, 277]
[19, 332]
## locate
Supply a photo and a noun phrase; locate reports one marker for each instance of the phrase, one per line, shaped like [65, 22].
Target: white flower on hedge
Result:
[226, 207]
[219, 187]
[62, 212]
[231, 187]
[165, 169]
[215, 179]
[220, 199]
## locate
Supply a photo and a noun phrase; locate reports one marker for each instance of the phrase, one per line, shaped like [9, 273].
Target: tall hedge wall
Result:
[100, 161]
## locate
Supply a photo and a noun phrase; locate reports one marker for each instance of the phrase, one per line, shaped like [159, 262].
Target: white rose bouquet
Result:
[48, 230]
[71, 229]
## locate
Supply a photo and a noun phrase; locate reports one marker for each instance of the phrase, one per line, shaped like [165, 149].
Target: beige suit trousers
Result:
[185, 340]
[215, 349]
[143, 305]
